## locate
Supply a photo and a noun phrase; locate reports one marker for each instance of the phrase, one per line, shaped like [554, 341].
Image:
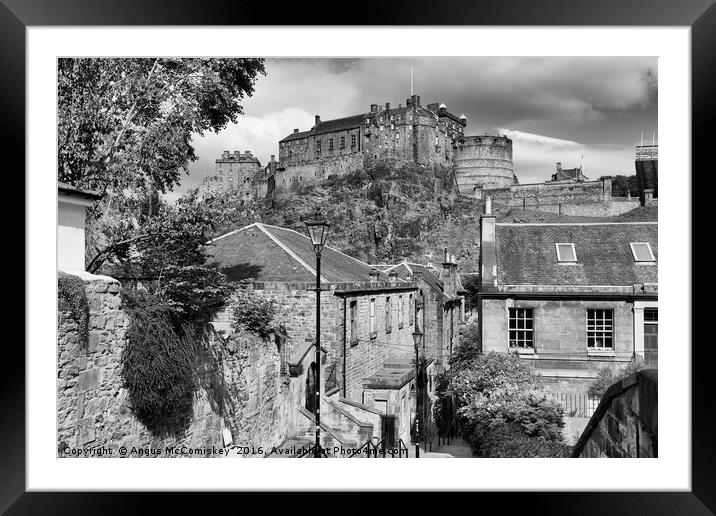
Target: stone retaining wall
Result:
[241, 387]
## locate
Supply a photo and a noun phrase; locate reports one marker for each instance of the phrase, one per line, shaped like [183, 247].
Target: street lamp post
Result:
[318, 231]
[417, 340]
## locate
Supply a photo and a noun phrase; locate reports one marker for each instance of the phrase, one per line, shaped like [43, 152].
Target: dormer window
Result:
[642, 252]
[566, 252]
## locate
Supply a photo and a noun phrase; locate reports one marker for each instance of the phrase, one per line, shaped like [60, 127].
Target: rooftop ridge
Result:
[288, 250]
[576, 223]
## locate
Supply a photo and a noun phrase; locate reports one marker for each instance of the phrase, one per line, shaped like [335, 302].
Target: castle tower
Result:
[647, 170]
[483, 162]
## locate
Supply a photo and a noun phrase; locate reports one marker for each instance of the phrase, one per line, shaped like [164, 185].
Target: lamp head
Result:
[317, 231]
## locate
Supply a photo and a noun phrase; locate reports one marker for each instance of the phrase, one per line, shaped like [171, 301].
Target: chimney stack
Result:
[374, 108]
[295, 131]
[318, 119]
[559, 166]
[387, 106]
[488, 251]
[374, 274]
[393, 275]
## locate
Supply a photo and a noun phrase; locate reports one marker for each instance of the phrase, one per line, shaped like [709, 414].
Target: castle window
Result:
[600, 330]
[330, 144]
[400, 312]
[353, 140]
[381, 127]
[343, 142]
[397, 136]
[566, 253]
[318, 146]
[642, 252]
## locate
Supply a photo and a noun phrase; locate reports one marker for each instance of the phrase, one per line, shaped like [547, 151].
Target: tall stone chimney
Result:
[488, 251]
[387, 106]
[374, 275]
[393, 275]
[448, 274]
[318, 119]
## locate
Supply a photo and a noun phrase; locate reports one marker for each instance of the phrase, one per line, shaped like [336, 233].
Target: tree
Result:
[625, 185]
[499, 397]
[127, 123]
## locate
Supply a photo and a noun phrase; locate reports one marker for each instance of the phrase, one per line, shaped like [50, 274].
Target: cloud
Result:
[534, 156]
[593, 102]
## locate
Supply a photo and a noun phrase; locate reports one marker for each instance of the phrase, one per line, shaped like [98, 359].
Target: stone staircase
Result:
[344, 427]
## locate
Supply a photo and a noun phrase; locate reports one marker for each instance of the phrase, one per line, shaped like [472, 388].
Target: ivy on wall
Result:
[158, 365]
[71, 296]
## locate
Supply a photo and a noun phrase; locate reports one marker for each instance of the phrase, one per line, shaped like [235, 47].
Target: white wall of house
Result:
[71, 232]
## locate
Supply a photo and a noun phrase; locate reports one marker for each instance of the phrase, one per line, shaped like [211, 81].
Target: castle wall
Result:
[587, 198]
[483, 162]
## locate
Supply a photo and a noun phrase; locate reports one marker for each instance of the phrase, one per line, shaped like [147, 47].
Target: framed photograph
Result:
[410, 236]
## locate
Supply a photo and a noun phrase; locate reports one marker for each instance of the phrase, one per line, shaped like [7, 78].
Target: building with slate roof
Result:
[441, 315]
[568, 175]
[570, 298]
[410, 133]
[367, 321]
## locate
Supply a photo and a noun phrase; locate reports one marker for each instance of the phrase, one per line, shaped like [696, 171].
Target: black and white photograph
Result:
[364, 257]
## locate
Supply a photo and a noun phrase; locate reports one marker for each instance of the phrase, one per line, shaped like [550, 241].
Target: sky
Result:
[589, 110]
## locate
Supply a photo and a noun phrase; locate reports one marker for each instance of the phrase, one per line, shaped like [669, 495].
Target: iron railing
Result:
[576, 404]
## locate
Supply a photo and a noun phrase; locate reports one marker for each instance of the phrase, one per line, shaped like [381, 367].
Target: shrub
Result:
[508, 440]
[72, 296]
[608, 377]
[494, 390]
[254, 314]
[158, 365]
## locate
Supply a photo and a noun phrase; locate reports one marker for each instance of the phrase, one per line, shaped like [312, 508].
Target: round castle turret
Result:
[483, 162]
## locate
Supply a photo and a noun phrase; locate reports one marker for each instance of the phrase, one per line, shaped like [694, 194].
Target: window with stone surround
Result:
[343, 142]
[600, 329]
[354, 323]
[388, 315]
[353, 140]
[330, 144]
[318, 146]
[521, 328]
[371, 319]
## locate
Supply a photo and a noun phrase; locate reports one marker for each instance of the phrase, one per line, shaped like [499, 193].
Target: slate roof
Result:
[350, 122]
[273, 254]
[329, 126]
[406, 269]
[526, 254]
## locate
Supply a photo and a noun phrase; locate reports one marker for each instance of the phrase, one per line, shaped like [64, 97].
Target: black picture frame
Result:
[700, 15]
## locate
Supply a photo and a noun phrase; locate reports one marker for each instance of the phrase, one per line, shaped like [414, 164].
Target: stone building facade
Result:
[440, 314]
[423, 135]
[238, 171]
[367, 321]
[569, 298]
